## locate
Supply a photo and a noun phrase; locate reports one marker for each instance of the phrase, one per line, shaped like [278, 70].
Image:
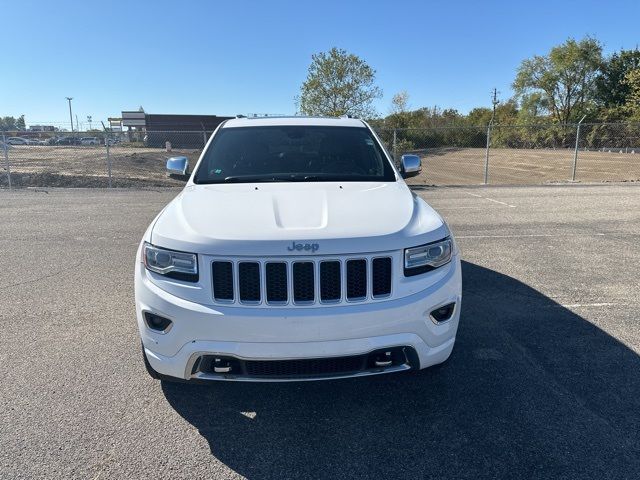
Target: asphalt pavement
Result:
[544, 381]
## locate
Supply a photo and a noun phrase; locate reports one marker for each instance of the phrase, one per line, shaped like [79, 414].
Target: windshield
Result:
[293, 154]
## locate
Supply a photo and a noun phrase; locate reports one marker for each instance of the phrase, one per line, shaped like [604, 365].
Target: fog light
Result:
[386, 357]
[157, 323]
[443, 313]
[383, 359]
[221, 365]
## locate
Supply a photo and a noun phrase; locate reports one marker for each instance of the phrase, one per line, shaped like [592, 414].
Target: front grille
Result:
[301, 282]
[377, 361]
[307, 367]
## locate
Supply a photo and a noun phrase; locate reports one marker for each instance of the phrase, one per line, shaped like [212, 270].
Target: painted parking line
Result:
[498, 201]
[525, 235]
[578, 305]
[447, 207]
[491, 200]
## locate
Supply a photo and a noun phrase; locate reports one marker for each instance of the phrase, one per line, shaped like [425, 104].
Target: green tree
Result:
[611, 87]
[479, 116]
[400, 102]
[8, 123]
[632, 104]
[399, 116]
[339, 83]
[20, 123]
[506, 114]
[562, 82]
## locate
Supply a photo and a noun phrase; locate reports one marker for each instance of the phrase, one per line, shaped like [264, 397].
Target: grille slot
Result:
[381, 277]
[303, 282]
[222, 279]
[276, 281]
[356, 279]
[330, 281]
[249, 281]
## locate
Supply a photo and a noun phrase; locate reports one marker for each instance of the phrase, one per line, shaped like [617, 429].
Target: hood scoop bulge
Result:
[296, 210]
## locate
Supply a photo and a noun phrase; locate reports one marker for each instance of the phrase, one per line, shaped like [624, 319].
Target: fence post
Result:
[486, 156]
[6, 158]
[395, 153]
[107, 141]
[575, 153]
[204, 135]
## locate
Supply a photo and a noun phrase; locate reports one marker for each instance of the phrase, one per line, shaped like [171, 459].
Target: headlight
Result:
[421, 259]
[178, 265]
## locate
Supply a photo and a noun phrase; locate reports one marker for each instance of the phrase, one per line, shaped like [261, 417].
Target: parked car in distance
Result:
[17, 141]
[67, 141]
[296, 251]
[110, 141]
[89, 141]
[36, 141]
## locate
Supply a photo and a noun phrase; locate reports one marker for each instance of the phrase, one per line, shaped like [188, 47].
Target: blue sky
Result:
[215, 57]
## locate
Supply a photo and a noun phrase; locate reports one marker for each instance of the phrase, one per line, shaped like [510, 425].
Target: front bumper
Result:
[250, 334]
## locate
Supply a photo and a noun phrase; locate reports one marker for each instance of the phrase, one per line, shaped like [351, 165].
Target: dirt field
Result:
[465, 166]
[73, 166]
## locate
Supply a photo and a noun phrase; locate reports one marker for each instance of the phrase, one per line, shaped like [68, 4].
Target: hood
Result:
[338, 217]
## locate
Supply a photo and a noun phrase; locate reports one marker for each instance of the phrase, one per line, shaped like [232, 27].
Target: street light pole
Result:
[70, 116]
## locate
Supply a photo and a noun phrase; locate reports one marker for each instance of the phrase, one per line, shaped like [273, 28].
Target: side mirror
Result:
[177, 166]
[411, 165]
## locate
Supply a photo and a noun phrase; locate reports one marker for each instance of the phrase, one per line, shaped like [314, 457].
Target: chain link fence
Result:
[520, 154]
[96, 159]
[498, 154]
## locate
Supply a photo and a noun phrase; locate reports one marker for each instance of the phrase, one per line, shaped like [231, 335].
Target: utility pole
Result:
[70, 116]
[495, 102]
[575, 153]
[89, 120]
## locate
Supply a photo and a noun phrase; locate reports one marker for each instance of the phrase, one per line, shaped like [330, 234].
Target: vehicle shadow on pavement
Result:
[531, 390]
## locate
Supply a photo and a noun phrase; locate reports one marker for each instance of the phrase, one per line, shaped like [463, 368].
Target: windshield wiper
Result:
[279, 177]
[255, 178]
[286, 177]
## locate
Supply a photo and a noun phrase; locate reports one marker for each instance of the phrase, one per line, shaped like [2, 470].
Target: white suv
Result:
[296, 252]
[89, 141]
